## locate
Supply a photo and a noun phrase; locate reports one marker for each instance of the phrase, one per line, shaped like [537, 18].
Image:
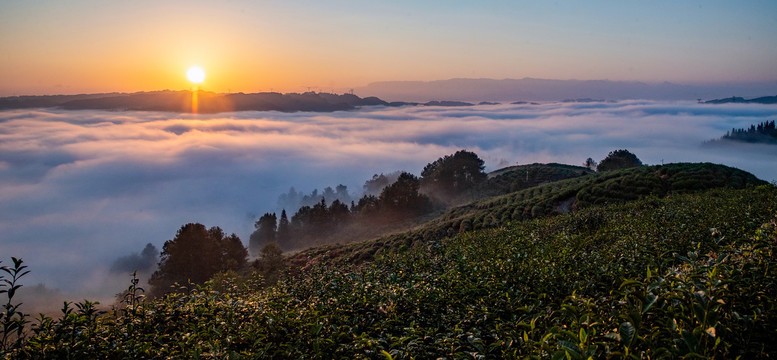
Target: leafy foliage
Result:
[12, 319]
[270, 263]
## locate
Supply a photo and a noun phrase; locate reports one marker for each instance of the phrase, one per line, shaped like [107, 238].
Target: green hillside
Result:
[610, 187]
[599, 188]
[691, 275]
[654, 262]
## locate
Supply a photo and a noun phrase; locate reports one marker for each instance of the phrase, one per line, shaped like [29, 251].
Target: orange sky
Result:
[80, 46]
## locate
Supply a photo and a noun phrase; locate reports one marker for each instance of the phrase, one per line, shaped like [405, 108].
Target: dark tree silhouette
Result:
[195, 255]
[764, 132]
[318, 222]
[402, 199]
[367, 206]
[300, 219]
[283, 235]
[339, 214]
[233, 252]
[293, 200]
[451, 175]
[590, 164]
[265, 233]
[618, 159]
[319, 219]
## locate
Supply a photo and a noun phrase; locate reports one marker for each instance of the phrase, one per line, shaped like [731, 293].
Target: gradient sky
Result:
[77, 46]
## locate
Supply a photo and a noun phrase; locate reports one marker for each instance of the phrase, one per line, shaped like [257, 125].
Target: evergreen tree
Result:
[284, 231]
[233, 253]
[339, 214]
[265, 233]
[300, 221]
[319, 222]
[367, 206]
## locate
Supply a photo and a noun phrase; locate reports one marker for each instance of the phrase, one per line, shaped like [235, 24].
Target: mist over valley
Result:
[84, 192]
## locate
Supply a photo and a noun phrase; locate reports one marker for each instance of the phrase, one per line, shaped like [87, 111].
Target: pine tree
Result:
[284, 232]
[265, 233]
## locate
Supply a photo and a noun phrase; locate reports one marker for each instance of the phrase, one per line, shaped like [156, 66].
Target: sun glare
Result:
[195, 74]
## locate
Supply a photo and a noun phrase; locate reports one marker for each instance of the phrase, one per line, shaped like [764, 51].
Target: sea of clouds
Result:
[79, 189]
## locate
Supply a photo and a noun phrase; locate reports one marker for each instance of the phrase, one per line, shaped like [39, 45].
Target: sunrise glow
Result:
[682, 43]
[195, 74]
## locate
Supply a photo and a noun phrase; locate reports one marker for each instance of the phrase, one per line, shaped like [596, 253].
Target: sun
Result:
[195, 74]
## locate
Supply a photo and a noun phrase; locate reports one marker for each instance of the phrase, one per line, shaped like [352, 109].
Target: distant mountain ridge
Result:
[531, 89]
[182, 101]
[209, 102]
[741, 100]
[446, 93]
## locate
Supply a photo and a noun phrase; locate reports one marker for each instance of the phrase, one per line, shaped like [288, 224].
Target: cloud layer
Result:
[79, 189]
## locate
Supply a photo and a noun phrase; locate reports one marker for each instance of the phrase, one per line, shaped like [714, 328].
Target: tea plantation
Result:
[671, 274]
